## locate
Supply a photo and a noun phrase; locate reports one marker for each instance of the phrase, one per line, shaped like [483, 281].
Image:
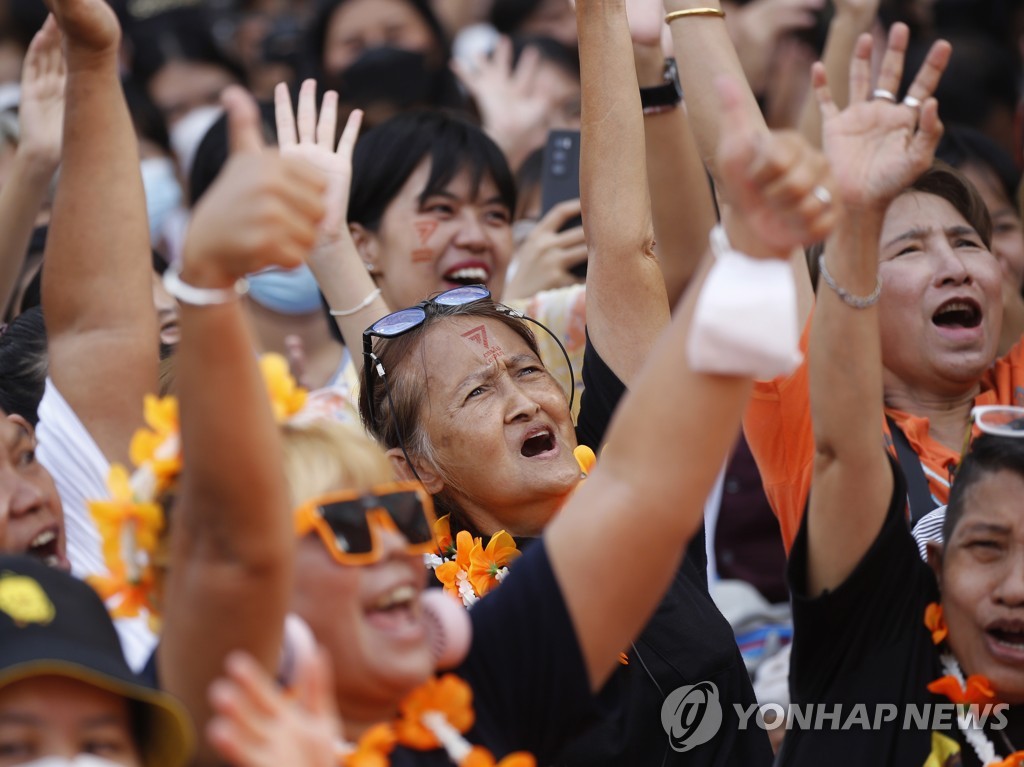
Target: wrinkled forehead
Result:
[921, 211]
[455, 345]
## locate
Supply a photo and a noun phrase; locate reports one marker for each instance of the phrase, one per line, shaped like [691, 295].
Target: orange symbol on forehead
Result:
[478, 335]
[425, 229]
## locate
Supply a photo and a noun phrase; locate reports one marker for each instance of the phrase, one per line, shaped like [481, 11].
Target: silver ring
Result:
[912, 102]
[822, 195]
[882, 93]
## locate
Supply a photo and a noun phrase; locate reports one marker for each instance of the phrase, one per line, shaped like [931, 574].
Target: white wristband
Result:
[745, 321]
[193, 296]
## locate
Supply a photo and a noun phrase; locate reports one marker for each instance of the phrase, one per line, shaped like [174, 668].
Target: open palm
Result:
[878, 147]
[304, 135]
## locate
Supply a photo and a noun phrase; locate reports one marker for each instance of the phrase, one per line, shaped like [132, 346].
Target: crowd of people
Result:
[334, 434]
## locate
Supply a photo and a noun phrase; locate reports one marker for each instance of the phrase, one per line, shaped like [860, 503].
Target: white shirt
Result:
[79, 470]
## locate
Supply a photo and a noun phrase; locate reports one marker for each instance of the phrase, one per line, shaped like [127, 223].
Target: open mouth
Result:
[1012, 638]
[398, 598]
[45, 547]
[958, 313]
[537, 444]
[468, 275]
[395, 612]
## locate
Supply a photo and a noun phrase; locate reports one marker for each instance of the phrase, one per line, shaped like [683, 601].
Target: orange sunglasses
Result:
[349, 522]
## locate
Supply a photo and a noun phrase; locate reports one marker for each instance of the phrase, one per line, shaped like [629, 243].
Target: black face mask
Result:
[392, 76]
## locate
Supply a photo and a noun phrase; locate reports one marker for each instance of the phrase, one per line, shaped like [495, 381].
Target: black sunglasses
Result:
[342, 520]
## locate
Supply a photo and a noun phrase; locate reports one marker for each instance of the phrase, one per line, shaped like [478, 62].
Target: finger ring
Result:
[882, 93]
[823, 195]
[913, 103]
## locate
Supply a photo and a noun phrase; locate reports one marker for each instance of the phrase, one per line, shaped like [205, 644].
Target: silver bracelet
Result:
[358, 308]
[857, 302]
[184, 293]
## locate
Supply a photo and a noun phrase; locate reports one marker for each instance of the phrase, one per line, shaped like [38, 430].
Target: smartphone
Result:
[560, 178]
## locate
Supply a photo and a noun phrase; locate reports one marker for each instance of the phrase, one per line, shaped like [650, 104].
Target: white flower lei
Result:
[972, 731]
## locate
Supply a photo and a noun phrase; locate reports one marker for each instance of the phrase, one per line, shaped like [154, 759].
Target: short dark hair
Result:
[989, 453]
[387, 155]
[23, 365]
[951, 185]
[962, 146]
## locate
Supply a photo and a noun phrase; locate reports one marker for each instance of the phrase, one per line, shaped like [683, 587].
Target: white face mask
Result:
[188, 133]
[163, 193]
[82, 760]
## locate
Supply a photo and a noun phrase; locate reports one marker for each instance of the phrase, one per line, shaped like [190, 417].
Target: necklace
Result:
[434, 715]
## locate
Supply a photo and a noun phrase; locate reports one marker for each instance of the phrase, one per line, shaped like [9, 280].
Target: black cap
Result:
[52, 624]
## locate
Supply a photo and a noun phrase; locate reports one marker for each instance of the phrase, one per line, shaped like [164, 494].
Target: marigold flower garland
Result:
[131, 521]
[975, 691]
[434, 715]
[468, 569]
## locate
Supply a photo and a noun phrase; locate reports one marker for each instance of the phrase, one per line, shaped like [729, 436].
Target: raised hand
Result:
[877, 146]
[264, 210]
[41, 112]
[515, 111]
[778, 187]
[89, 26]
[305, 136]
[257, 725]
[544, 259]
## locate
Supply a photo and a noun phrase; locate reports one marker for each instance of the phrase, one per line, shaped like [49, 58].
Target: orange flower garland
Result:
[131, 521]
[470, 570]
[432, 716]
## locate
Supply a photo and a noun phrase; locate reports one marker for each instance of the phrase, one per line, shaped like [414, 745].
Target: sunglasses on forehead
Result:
[405, 320]
[997, 420]
[350, 523]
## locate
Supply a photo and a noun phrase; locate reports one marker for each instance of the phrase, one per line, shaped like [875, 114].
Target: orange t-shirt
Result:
[777, 424]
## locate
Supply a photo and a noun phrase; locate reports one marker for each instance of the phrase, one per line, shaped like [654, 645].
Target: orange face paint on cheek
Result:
[424, 230]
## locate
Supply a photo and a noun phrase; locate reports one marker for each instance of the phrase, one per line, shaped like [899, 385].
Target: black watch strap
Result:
[667, 94]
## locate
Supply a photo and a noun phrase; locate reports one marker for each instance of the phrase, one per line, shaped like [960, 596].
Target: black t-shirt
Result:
[685, 642]
[866, 643]
[531, 690]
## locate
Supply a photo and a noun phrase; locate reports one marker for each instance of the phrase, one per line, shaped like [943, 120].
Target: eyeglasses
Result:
[350, 523]
[401, 322]
[997, 420]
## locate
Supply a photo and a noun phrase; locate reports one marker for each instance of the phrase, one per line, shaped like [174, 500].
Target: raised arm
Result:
[97, 295]
[682, 207]
[626, 301]
[40, 119]
[232, 543]
[674, 429]
[876, 148]
[349, 289]
[704, 52]
[852, 18]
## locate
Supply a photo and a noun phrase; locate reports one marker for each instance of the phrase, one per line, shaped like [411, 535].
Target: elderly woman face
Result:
[498, 422]
[941, 308]
[981, 577]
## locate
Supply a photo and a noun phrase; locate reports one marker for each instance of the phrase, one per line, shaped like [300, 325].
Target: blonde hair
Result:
[324, 456]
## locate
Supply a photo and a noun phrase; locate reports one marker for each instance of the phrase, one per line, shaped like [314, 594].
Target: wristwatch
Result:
[668, 95]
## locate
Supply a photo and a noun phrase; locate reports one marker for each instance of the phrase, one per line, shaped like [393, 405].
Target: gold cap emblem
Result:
[24, 600]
